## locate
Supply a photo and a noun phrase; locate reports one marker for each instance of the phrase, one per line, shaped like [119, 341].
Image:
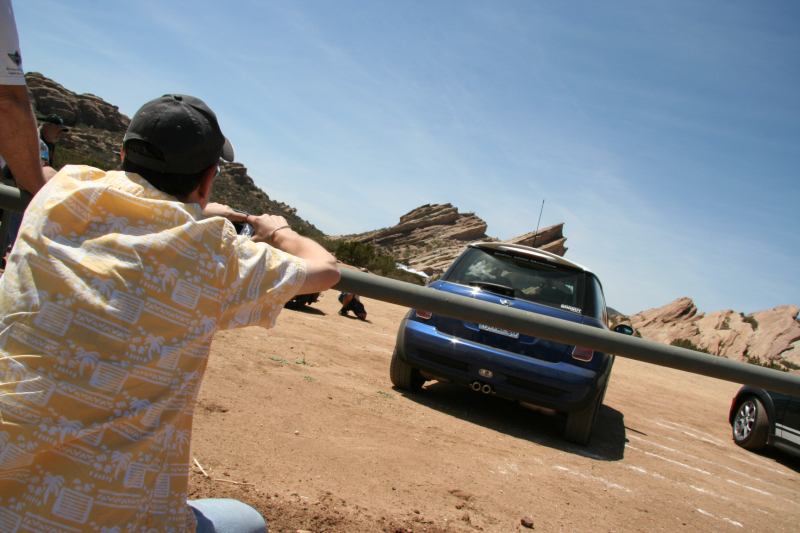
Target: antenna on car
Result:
[537, 224]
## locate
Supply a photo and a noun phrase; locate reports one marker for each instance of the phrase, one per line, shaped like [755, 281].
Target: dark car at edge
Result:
[761, 418]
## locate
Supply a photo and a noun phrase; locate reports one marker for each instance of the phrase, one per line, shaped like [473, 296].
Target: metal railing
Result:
[498, 316]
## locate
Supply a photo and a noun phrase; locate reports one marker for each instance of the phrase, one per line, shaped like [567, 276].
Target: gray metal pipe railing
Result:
[464, 308]
[13, 199]
[498, 316]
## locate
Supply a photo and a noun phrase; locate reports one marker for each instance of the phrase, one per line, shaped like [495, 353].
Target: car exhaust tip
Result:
[487, 389]
[476, 386]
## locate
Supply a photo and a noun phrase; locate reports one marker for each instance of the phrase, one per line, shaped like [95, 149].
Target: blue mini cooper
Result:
[540, 374]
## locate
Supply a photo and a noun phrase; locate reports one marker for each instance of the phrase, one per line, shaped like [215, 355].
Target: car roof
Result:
[530, 251]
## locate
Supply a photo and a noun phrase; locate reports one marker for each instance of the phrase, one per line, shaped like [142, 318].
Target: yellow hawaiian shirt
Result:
[108, 306]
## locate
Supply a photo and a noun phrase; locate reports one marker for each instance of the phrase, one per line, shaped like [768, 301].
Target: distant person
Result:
[351, 302]
[19, 146]
[108, 307]
[50, 132]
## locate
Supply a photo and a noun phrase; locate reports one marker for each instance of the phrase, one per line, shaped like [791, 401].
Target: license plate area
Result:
[498, 331]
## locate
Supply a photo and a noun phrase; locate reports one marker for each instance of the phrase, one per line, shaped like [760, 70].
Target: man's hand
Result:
[214, 209]
[322, 271]
[264, 225]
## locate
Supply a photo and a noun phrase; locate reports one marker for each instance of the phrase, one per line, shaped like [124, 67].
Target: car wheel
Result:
[580, 424]
[751, 425]
[403, 375]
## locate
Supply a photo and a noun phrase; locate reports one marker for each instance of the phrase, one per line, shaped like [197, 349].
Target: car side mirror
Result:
[625, 329]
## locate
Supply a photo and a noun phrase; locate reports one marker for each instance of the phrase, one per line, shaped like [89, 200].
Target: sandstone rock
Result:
[778, 331]
[546, 235]
[430, 237]
[725, 333]
[776, 338]
[49, 97]
[428, 215]
[555, 247]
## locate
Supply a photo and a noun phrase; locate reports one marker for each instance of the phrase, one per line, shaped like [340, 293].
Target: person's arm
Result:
[213, 209]
[19, 140]
[322, 273]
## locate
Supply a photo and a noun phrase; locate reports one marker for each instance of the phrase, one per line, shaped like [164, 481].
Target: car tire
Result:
[751, 424]
[580, 424]
[403, 375]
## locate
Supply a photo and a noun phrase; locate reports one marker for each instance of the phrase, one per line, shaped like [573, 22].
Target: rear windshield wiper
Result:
[503, 290]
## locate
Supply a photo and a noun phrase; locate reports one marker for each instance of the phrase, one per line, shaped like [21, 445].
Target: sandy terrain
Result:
[328, 445]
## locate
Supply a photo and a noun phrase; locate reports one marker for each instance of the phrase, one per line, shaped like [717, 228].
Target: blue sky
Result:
[666, 135]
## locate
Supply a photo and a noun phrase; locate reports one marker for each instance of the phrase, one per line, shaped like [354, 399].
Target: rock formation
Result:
[432, 236]
[96, 132]
[88, 109]
[96, 127]
[548, 239]
[772, 336]
[234, 187]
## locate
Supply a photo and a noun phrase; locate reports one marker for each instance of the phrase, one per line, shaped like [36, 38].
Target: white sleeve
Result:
[11, 72]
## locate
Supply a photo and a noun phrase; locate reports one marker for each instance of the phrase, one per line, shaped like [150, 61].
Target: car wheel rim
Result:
[745, 418]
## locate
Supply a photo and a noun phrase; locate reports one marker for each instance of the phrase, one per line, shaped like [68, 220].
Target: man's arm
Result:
[322, 272]
[19, 140]
[213, 209]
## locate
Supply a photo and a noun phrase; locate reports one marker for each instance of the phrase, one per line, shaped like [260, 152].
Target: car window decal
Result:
[523, 258]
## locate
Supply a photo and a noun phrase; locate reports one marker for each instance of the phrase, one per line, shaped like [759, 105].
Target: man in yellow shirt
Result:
[108, 306]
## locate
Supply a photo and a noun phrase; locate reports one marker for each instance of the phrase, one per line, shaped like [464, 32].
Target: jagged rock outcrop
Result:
[234, 187]
[426, 223]
[96, 127]
[771, 336]
[430, 237]
[550, 239]
[96, 132]
[88, 109]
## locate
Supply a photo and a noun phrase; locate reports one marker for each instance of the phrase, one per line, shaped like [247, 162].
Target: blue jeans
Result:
[217, 515]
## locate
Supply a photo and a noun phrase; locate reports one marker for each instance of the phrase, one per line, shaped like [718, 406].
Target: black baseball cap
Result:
[55, 119]
[185, 129]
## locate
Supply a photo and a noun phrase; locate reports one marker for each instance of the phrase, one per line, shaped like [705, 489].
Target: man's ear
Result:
[204, 188]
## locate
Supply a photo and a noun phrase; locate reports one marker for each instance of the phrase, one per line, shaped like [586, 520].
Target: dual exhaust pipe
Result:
[485, 388]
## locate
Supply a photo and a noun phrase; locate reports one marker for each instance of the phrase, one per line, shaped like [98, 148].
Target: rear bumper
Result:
[560, 386]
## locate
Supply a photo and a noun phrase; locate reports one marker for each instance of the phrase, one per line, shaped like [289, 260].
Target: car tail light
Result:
[426, 315]
[582, 354]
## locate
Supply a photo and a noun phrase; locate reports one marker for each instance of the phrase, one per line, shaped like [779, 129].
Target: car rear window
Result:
[521, 276]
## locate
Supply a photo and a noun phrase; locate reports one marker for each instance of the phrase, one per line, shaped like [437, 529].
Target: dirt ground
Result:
[305, 419]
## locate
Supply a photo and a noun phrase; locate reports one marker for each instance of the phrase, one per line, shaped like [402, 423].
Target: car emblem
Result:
[505, 302]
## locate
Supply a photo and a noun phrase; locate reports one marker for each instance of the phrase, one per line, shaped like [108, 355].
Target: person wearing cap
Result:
[108, 307]
[18, 145]
[50, 132]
